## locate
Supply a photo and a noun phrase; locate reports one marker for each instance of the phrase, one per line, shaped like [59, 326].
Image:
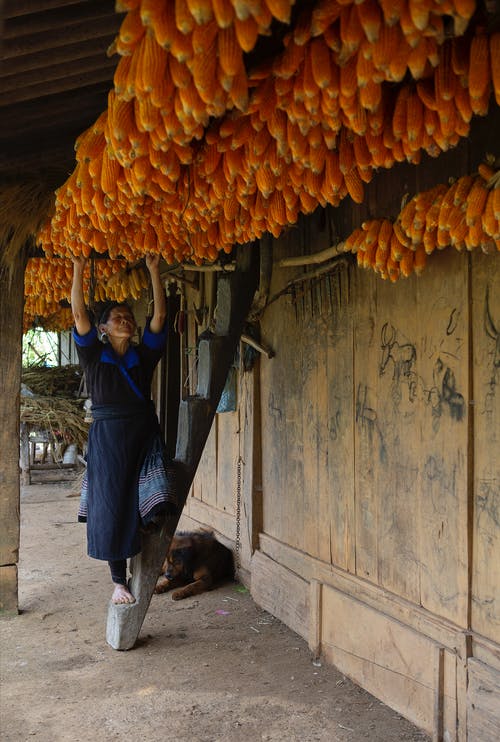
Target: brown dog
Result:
[195, 562]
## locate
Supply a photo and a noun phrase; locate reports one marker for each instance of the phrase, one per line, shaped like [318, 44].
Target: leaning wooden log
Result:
[235, 293]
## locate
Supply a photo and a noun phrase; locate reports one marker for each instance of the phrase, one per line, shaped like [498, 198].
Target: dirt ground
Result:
[213, 668]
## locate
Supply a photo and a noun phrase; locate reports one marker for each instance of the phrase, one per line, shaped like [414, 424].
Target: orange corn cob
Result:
[370, 18]
[476, 201]
[479, 67]
[494, 48]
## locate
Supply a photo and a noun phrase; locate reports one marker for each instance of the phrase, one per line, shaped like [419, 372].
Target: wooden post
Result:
[11, 324]
[196, 414]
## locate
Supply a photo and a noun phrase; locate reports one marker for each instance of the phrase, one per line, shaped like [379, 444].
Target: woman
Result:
[125, 428]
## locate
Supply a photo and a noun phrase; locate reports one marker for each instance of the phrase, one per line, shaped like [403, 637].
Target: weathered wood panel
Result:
[337, 483]
[281, 592]
[391, 661]
[483, 703]
[205, 482]
[485, 609]
[282, 448]
[229, 437]
[391, 366]
[314, 528]
[370, 450]
[307, 420]
[410, 360]
[443, 385]
[251, 474]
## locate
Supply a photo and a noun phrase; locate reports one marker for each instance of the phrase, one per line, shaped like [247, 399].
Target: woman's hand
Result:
[79, 261]
[152, 261]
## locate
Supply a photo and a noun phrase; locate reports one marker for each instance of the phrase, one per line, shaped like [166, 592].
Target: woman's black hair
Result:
[108, 308]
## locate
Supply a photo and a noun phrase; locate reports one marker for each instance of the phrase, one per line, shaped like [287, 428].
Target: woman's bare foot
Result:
[122, 595]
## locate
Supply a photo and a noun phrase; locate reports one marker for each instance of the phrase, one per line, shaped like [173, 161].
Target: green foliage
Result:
[40, 348]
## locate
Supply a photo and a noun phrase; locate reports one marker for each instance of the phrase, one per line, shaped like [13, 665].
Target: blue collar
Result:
[129, 360]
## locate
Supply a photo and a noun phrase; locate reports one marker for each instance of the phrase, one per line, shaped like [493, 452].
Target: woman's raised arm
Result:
[80, 314]
[159, 300]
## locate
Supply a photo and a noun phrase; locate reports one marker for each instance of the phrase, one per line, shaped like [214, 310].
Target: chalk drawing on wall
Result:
[398, 357]
[366, 417]
[401, 359]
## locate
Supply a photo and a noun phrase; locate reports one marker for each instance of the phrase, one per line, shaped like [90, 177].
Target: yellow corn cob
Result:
[354, 186]
[489, 222]
[479, 67]
[494, 43]
[420, 259]
[444, 78]
[476, 201]
[464, 184]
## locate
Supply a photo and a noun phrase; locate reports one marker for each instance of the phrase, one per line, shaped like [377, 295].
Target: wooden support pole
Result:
[11, 325]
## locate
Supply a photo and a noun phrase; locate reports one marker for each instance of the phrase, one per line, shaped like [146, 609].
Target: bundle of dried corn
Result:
[47, 315]
[24, 205]
[464, 214]
[198, 151]
[48, 283]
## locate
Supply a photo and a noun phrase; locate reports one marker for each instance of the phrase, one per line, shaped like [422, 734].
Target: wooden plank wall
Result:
[380, 479]
[378, 458]
[365, 446]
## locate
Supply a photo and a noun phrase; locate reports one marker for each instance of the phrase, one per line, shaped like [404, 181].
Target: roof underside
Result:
[55, 75]
[54, 79]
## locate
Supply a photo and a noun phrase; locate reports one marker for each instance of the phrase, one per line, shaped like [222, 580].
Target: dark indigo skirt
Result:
[119, 439]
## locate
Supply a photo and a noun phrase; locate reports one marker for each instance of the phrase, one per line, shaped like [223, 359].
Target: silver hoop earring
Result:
[104, 338]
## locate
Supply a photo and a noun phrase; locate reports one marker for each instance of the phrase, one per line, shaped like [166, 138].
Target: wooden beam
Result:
[61, 18]
[62, 84]
[78, 33]
[16, 8]
[54, 112]
[42, 77]
[63, 54]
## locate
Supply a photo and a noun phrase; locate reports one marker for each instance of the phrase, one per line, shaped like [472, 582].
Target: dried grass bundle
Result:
[64, 418]
[58, 381]
[24, 207]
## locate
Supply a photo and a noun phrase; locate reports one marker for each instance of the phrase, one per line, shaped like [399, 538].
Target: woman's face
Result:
[120, 323]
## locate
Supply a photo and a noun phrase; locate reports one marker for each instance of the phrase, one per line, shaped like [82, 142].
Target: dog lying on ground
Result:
[195, 562]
